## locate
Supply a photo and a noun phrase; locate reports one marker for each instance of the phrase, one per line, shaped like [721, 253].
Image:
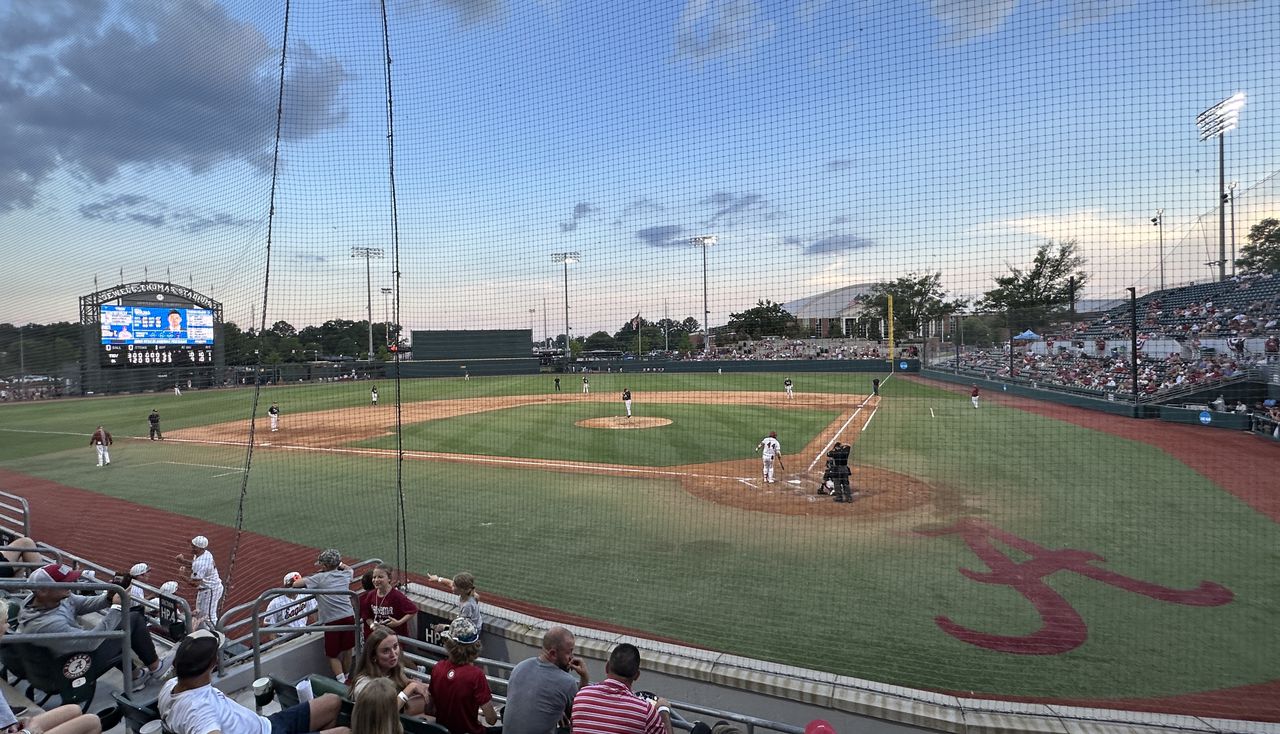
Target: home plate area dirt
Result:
[732, 483]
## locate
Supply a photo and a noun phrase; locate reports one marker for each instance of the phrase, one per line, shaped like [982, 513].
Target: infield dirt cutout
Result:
[733, 483]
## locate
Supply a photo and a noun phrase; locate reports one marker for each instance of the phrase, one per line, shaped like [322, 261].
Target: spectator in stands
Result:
[464, 585]
[540, 690]
[57, 609]
[1220, 404]
[189, 704]
[21, 549]
[333, 609]
[386, 605]
[137, 571]
[459, 690]
[610, 707]
[380, 659]
[62, 720]
[376, 710]
[282, 610]
[201, 572]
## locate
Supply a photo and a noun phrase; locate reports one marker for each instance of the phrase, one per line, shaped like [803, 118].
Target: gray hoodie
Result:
[64, 618]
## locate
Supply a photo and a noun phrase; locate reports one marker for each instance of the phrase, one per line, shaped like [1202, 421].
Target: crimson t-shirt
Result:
[458, 692]
[383, 609]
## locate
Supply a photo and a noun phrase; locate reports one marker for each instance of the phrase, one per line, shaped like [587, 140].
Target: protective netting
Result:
[639, 172]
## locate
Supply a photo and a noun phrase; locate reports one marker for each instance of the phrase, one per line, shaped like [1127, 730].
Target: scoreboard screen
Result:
[157, 355]
[146, 325]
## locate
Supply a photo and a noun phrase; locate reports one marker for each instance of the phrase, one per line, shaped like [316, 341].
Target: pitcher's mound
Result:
[620, 422]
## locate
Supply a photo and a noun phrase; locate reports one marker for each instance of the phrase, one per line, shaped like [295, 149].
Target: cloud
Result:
[161, 84]
[838, 243]
[581, 210]
[309, 258]
[139, 209]
[838, 220]
[729, 204]
[664, 236]
[1081, 13]
[710, 30]
[841, 165]
[470, 12]
[639, 205]
[969, 19]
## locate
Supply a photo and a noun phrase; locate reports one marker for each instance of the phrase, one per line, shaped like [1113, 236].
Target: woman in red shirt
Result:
[386, 605]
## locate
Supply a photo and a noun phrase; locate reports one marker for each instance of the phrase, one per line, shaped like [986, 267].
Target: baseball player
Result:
[973, 397]
[154, 420]
[626, 400]
[274, 413]
[586, 385]
[201, 572]
[557, 384]
[373, 395]
[770, 450]
[101, 440]
[786, 384]
[177, 389]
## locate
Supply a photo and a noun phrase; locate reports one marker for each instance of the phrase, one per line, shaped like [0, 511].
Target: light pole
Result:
[368, 253]
[532, 311]
[1219, 120]
[1158, 220]
[705, 241]
[386, 314]
[566, 258]
[1231, 194]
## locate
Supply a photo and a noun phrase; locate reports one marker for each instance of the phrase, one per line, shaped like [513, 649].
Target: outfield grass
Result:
[858, 597]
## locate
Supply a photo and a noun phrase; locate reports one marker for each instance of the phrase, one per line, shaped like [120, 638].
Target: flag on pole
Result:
[635, 323]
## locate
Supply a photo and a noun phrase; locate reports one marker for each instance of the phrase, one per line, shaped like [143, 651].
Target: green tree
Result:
[917, 300]
[601, 340]
[1035, 296]
[1262, 254]
[766, 318]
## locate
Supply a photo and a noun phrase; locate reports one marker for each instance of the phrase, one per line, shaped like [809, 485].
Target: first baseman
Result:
[769, 449]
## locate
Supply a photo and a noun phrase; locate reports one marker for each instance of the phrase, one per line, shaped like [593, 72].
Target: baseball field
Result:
[1019, 550]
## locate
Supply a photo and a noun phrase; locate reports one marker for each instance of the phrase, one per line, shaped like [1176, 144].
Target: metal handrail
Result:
[258, 629]
[123, 633]
[23, 507]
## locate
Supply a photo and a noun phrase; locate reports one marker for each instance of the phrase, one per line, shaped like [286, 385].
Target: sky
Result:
[824, 143]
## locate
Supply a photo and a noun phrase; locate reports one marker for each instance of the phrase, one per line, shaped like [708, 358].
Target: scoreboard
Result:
[145, 336]
[157, 355]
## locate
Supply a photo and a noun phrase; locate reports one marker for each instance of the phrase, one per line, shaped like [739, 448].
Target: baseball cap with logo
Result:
[463, 631]
[57, 572]
[292, 576]
[138, 569]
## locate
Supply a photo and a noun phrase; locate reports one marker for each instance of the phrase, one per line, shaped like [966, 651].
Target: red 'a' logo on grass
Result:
[1062, 628]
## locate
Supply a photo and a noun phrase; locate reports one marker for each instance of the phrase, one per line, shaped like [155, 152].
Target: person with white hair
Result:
[200, 572]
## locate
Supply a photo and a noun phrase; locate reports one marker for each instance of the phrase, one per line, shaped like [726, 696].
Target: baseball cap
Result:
[463, 631]
[329, 557]
[200, 541]
[138, 569]
[169, 588]
[57, 572]
[290, 577]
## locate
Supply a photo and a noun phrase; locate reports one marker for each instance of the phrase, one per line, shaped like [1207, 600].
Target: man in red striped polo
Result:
[610, 707]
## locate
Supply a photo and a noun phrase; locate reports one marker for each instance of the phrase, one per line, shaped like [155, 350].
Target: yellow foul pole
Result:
[891, 353]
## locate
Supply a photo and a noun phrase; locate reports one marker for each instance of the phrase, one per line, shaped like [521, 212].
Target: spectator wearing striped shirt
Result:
[611, 707]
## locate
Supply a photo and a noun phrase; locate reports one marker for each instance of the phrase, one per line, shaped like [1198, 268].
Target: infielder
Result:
[586, 386]
[973, 397]
[101, 440]
[202, 573]
[373, 395]
[770, 449]
[274, 413]
[787, 385]
[626, 400]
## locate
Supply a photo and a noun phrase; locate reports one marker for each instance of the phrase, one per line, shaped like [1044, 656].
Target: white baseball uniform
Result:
[586, 386]
[769, 448]
[787, 385]
[209, 592]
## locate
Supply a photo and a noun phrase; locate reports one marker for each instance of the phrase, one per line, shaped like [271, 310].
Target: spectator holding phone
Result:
[541, 689]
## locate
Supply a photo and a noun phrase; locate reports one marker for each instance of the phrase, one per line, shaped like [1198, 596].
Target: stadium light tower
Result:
[566, 258]
[386, 313]
[703, 242]
[1158, 220]
[368, 253]
[1219, 120]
